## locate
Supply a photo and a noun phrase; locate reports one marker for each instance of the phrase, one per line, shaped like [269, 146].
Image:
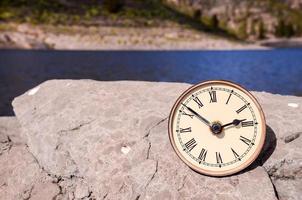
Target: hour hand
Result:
[204, 120]
[235, 122]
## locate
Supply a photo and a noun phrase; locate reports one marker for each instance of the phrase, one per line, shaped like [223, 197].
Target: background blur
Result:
[256, 43]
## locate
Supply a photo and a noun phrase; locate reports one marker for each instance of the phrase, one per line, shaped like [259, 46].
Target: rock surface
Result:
[108, 140]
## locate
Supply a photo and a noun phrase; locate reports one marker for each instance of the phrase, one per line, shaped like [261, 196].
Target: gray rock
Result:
[10, 131]
[21, 176]
[109, 140]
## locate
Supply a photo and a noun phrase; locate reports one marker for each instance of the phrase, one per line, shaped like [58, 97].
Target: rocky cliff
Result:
[108, 140]
[247, 19]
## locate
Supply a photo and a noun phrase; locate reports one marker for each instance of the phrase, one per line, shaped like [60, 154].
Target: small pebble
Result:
[125, 149]
[33, 91]
[293, 105]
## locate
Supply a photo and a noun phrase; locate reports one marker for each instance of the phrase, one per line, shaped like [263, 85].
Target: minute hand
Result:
[197, 115]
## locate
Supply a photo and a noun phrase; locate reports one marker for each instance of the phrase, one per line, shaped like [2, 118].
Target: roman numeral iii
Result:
[191, 144]
[247, 123]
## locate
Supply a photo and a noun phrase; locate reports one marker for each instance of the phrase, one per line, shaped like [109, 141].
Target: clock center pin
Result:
[216, 128]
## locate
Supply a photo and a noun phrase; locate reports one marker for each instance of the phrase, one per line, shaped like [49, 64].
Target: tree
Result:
[214, 23]
[113, 6]
[261, 30]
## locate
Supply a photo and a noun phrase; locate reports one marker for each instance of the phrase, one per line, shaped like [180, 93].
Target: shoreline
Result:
[27, 36]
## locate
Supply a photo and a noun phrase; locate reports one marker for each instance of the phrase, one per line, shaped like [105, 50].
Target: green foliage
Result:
[211, 22]
[261, 30]
[113, 6]
[289, 19]
[284, 29]
[6, 15]
[197, 14]
[214, 23]
[242, 32]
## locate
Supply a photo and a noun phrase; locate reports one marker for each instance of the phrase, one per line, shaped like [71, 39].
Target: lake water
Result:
[275, 71]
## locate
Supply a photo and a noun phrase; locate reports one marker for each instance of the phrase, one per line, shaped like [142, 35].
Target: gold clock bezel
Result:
[208, 172]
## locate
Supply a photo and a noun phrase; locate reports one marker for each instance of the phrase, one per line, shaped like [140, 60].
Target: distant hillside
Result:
[241, 19]
[247, 19]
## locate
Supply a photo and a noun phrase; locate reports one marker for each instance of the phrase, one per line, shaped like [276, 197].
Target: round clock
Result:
[217, 128]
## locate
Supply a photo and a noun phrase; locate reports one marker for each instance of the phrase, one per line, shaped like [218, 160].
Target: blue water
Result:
[275, 71]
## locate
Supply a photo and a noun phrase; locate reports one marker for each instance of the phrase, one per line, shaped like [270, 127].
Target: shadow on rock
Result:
[267, 150]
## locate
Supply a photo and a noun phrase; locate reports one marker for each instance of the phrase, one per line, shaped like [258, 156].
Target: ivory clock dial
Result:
[217, 128]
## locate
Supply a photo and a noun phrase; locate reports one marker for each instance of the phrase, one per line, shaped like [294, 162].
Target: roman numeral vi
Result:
[218, 158]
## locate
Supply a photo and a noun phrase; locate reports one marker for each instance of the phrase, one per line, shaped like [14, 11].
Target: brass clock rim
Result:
[210, 172]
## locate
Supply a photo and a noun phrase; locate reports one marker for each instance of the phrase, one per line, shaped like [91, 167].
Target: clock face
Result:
[217, 128]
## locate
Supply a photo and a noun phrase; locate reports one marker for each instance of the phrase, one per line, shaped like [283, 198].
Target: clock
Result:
[217, 128]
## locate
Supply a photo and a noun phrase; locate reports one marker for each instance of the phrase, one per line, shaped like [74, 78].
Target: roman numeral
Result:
[213, 96]
[203, 154]
[229, 97]
[218, 158]
[184, 113]
[235, 154]
[246, 141]
[197, 100]
[242, 108]
[247, 123]
[191, 144]
[184, 130]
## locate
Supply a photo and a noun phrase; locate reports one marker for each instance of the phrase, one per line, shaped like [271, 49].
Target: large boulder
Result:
[109, 140]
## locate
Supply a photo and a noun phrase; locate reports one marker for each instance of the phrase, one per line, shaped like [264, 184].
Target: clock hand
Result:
[198, 116]
[235, 122]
